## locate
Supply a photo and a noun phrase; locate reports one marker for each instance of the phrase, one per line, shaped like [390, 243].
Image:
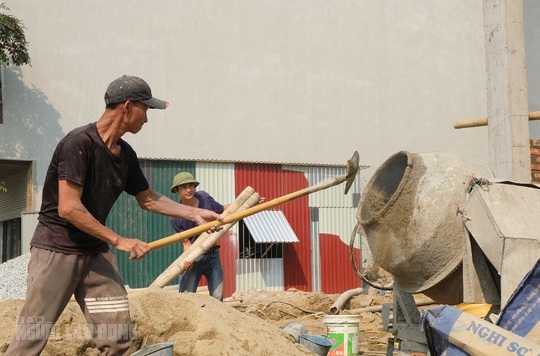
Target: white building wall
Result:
[304, 81]
[29, 222]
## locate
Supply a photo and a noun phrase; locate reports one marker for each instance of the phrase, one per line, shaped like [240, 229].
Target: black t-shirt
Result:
[83, 158]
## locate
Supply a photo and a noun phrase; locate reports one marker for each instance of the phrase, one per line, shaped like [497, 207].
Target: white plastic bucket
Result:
[342, 331]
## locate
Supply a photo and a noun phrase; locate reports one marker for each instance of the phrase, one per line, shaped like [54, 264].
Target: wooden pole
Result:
[534, 115]
[205, 240]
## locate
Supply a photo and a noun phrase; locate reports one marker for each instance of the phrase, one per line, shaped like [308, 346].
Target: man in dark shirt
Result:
[70, 252]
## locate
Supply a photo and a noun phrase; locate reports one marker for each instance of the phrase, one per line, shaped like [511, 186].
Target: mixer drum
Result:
[409, 213]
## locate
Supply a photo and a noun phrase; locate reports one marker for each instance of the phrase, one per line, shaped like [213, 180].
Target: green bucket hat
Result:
[183, 178]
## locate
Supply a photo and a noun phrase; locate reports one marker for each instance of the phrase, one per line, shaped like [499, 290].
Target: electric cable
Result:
[355, 267]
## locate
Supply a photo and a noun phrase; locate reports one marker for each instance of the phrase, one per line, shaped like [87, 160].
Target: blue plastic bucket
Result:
[317, 344]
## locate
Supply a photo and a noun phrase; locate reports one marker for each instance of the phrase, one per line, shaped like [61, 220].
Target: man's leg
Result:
[189, 281]
[52, 278]
[104, 301]
[214, 275]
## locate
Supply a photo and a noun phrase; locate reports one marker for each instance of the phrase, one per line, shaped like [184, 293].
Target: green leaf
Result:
[13, 44]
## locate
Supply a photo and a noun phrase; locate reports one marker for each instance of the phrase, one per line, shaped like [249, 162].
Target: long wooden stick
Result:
[534, 115]
[349, 177]
[240, 215]
[205, 240]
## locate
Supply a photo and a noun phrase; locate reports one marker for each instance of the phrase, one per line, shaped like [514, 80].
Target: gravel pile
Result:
[13, 277]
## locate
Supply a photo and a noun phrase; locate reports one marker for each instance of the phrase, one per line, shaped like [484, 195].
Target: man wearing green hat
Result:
[209, 264]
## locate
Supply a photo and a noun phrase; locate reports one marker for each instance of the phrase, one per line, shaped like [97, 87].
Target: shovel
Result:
[352, 169]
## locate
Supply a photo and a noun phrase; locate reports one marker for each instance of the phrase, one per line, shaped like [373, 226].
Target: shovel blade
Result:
[352, 169]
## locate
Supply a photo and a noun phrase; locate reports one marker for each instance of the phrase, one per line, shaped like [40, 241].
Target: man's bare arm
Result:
[158, 203]
[72, 210]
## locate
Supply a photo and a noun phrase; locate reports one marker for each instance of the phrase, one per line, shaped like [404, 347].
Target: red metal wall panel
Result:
[337, 274]
[297, 260]
[270, 181]
[228, 254]
[266, 180]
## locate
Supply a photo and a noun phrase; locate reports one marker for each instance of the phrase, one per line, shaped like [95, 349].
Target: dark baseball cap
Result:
[131, 88]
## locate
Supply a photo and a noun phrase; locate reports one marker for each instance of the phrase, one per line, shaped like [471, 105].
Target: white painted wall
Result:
[289, 81]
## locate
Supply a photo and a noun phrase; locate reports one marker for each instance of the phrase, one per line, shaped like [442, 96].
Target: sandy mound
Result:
[201, 325]
[196, 323]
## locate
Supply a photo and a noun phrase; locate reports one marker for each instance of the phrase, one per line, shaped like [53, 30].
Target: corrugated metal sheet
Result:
[335, 229]
[316, 278]
[217, 179]
[330, 197]
[248, 162]
[270, 226]
[337, 274]
[265, 274]
[297, 257]
[13, 202]
[128, 220]
[160, 174]
[229, 257]
[339, 222]
[265, 179]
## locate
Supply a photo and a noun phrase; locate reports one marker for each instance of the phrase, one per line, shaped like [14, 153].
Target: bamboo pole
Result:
[233, 207]
[245, 200]
[534, 115]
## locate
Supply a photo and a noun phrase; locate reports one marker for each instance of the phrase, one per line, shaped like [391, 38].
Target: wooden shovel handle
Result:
[204, 241]
[242, 214]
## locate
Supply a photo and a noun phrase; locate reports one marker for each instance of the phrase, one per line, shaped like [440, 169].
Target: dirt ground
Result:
[280, 308]
[248, 323]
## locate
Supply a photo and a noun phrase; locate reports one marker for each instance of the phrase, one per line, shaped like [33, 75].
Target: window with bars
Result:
[249, 249]
[10, 241]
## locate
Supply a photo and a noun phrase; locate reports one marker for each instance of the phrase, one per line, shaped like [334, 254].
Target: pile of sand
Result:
[197, 324]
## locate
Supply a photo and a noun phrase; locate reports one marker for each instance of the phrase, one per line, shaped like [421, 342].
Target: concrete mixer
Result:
[447, 229]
